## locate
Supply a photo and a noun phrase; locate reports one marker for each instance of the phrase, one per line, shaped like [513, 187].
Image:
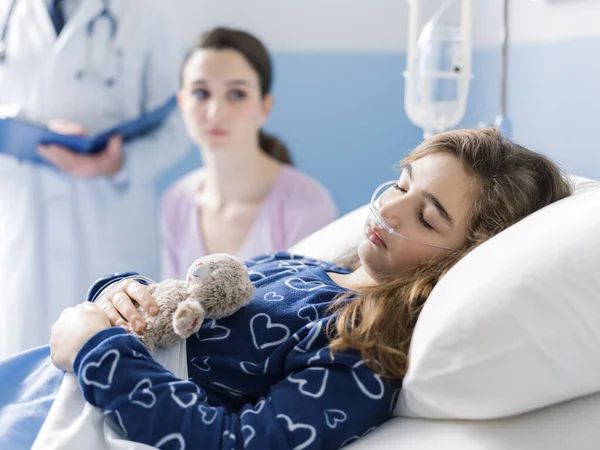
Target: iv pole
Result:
[501, 121]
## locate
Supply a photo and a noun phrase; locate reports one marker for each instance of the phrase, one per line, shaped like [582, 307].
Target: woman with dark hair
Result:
[247, 199]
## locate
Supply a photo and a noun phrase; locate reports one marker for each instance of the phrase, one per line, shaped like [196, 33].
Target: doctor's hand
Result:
[105, 163]
[118, 304]
[73, 329]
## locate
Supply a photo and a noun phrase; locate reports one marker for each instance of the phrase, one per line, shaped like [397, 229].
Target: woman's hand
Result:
[73, 329]
[118, 304]
[104, 163]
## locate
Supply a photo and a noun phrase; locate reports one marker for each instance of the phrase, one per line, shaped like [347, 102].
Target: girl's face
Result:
[429, 203]
[221, 101]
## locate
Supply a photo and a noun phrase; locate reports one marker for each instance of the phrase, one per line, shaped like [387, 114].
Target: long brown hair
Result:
[256, 54]
[513, 183]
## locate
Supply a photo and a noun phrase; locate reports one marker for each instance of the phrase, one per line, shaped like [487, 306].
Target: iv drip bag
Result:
[438, 64]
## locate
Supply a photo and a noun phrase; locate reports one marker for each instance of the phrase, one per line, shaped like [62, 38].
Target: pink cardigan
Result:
[296, 206]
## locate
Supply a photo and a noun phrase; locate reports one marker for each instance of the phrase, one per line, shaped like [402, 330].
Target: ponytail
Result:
[274, 148]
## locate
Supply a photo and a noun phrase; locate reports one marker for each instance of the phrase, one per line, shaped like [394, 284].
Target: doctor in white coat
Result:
[64, 225]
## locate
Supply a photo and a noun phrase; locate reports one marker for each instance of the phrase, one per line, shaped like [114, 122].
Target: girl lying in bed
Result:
[317, 358]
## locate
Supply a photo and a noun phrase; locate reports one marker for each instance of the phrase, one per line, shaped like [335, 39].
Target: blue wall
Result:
[483, 103]
[554, 101]
[342, 116]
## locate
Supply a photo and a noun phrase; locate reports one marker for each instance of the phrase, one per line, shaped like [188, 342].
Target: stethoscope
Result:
[90, 28]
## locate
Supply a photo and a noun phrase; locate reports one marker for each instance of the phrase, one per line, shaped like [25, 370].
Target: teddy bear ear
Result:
[200, 271]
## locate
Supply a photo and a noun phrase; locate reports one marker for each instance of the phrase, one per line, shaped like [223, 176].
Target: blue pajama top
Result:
[262, 378]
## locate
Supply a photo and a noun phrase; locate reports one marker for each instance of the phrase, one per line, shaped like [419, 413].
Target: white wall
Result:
[535, 21]
[487, 23]
[301, 26]
[323, 25]
[377, 25]
[553, 20]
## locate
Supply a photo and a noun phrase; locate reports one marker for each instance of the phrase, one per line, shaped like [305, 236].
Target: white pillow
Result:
[335, 239]
[515, 325]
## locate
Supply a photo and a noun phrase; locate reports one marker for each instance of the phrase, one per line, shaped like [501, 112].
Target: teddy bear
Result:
[216, 286]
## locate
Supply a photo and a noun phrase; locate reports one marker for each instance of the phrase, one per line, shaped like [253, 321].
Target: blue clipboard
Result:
[21, 138]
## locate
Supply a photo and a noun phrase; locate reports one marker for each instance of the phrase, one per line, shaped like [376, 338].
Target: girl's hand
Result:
[73, 329]
[118, 304]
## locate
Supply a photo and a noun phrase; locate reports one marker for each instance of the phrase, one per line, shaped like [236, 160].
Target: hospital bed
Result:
[559, 405]
[505, 354]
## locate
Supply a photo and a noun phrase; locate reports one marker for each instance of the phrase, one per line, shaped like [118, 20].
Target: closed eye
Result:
[398, 188]
[423, 221]
[420, 216]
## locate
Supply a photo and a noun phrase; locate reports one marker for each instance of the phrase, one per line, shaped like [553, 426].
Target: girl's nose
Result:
[391, 211]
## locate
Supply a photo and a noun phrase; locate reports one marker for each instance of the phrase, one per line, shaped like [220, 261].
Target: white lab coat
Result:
[59, 234]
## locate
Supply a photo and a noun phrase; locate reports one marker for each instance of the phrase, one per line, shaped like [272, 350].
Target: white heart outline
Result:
[363, 388]
[229, 434]
[293, 264]
[318, 356]
[294, 426]
[178, 400]
[301, 382]
[261, 276]
[259, 408]
[290, 271]
[270, 325]
[290, 267]
[204, 361]
[308, 318]
[333, 412]
[315, 284]
[252, 434]
[145, 390]
[205, 412]
[274, 298]
[213, 326]
[98, 364]
[316, 331]
[261, 366]
[169, 438]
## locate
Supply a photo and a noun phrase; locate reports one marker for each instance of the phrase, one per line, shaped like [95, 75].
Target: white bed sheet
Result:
[570, 425]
